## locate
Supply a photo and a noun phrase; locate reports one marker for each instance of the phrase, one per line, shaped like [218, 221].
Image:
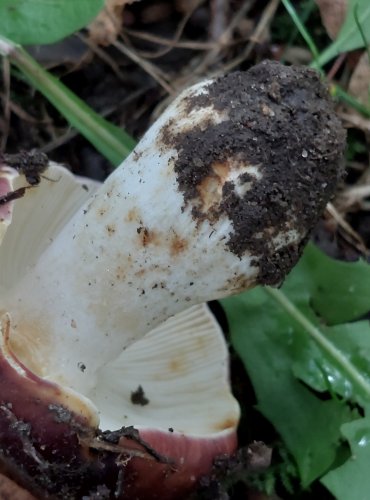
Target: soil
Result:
[274, 130]
[131, 92]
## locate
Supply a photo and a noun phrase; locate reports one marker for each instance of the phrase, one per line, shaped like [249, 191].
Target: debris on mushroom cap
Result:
[182, 369]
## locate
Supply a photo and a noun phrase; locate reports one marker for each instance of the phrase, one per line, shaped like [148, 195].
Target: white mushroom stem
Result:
[130, 258]
[6, 185]
[156, 238]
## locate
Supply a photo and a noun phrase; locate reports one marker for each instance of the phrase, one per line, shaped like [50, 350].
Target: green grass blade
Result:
[349, 37]
[353, 374]
[343, 96]
[109, 140]
[302, 30]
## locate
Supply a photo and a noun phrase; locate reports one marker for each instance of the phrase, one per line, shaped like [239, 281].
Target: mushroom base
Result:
[51, 445]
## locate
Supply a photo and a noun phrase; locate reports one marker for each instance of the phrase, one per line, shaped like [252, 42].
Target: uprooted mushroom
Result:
[102, 286]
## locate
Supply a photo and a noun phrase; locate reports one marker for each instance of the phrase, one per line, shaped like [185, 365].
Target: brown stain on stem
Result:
[120, 273]
[177, 366]
[147, 237]
[132, 215]
[227, 423]
[102, 211]
[111, 229]
[30, 342]
[178, 245]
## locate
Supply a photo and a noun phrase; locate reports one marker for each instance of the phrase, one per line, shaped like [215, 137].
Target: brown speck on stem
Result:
[177, 245]
[146, 236]
[111, 229]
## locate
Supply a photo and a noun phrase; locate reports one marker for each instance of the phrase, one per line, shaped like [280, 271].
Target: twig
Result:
[169, 44]
[209, 58]
[336, 66]
[219, 12]
[109, 61]
[265, 20]
[147, 66]
[71, 133]
[17, 110]
[339, 219]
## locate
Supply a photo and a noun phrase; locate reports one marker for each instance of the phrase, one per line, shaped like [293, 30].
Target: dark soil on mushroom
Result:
[286, 127]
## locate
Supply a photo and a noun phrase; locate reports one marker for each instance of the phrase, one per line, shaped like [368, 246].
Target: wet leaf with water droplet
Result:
[352, 480]
[339, 291]
[315, 368]
[279, 354]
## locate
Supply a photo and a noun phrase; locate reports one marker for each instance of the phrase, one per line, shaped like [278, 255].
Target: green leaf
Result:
[45, 21]
[340, 291]
[350, 36]
[262, 335]
[282, 337]
[316, 369]
[351, 481]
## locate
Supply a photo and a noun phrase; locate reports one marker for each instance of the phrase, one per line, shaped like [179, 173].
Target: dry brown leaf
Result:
[353, 119]
[360, 80]
[333, 13]
[105, 28]
[358, 87]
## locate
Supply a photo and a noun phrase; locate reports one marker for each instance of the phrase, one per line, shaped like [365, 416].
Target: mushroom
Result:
[6, 186]
[102, 292]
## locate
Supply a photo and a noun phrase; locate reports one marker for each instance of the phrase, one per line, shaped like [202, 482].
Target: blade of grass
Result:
[360, 29]
[349, 37]
[317, 63]
[356, 378]
[364, 39]
[342, 95]
[109, 140]
[307, 10]
[302, 30]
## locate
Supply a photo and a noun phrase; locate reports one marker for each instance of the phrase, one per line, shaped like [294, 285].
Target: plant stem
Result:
[348, 368]
[341, 94]
[111, 141]
[302, 30]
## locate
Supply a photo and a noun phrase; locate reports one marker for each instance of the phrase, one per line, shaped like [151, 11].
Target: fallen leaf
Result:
[359, 84]
[353, 119]
[105, 28]
[352, 33]
[359, 88]
[332, 15]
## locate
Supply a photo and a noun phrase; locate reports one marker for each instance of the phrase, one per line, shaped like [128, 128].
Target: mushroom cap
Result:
[35, 219]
